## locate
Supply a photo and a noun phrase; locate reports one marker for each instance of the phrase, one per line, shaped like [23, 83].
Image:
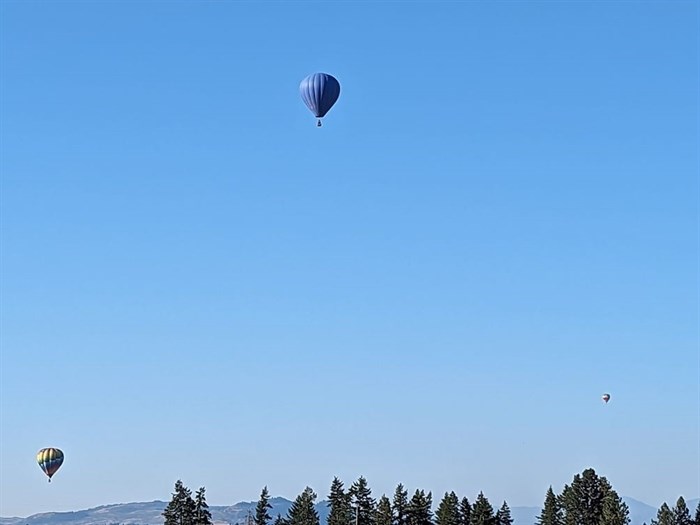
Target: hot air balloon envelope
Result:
[606, 397]
[50, 460]
[319, 92]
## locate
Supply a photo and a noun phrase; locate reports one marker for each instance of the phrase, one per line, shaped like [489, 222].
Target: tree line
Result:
[588, 500]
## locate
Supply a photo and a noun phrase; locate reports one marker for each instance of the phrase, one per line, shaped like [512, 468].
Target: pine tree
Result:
[465, 512]
[261, 515]
[482, 512]
[615, 511]
[567, 504]
[181, 509]
[681, 514]
[697, 514]
[551, 512]
[589, 497]
[279, 520]
[302, 511]
[503, 516]
[400, 505]
[384, 515]
[202, 516]
[419, 510]
[340, 512]
[582, 502]
[448, 510]
[664, 516]
[363, 502]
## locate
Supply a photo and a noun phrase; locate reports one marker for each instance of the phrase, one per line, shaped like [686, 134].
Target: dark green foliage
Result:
[615, 511]
[465, 511]
[590, 500]
[681, 514]
[482, 512]
[419, 510]
[202, 516]
[261, 515]
[551, 512]
[448, 510]
[363, 502]
[384, 515]
[664, 516]
[566, 501]
[586, 495]
[503, 516]
[340, 512]
[302, 511]
[181, 509]
[400, 505]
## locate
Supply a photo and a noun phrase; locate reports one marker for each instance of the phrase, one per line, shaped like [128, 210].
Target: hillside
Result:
[149, 513]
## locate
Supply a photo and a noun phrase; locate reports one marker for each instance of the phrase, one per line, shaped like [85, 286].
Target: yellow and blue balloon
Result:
[50, 460]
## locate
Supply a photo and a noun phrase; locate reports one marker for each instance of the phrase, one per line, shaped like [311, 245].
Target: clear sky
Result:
[497, 223]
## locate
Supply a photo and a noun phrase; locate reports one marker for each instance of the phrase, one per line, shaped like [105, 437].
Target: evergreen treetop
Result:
[681, 514]
[419, 510]
[482, 512]
[465, 511]
[363, 502]
[551, 511]
[384, 514]
[340, 511]
[399, 505]
[503, 516]
[262, 517]
[302, 511]
[181, 509]
[202, 515]
[664, 516]
[448, 510]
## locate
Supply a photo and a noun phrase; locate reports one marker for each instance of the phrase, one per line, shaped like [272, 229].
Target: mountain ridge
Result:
[149, 513]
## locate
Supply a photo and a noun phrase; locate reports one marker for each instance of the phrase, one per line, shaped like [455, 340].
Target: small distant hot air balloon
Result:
[606, 397]
[50, 460]
[319, 92]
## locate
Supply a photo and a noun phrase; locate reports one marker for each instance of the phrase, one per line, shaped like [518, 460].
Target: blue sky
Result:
[497, 223]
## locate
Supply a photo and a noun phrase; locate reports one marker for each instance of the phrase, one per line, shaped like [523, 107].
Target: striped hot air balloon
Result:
[319, 91]
[50, 460]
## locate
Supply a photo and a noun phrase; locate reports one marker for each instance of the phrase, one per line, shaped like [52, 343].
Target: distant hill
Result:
[149, 513]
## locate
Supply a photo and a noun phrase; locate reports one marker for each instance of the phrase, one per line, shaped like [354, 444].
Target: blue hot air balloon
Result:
[319, 92]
